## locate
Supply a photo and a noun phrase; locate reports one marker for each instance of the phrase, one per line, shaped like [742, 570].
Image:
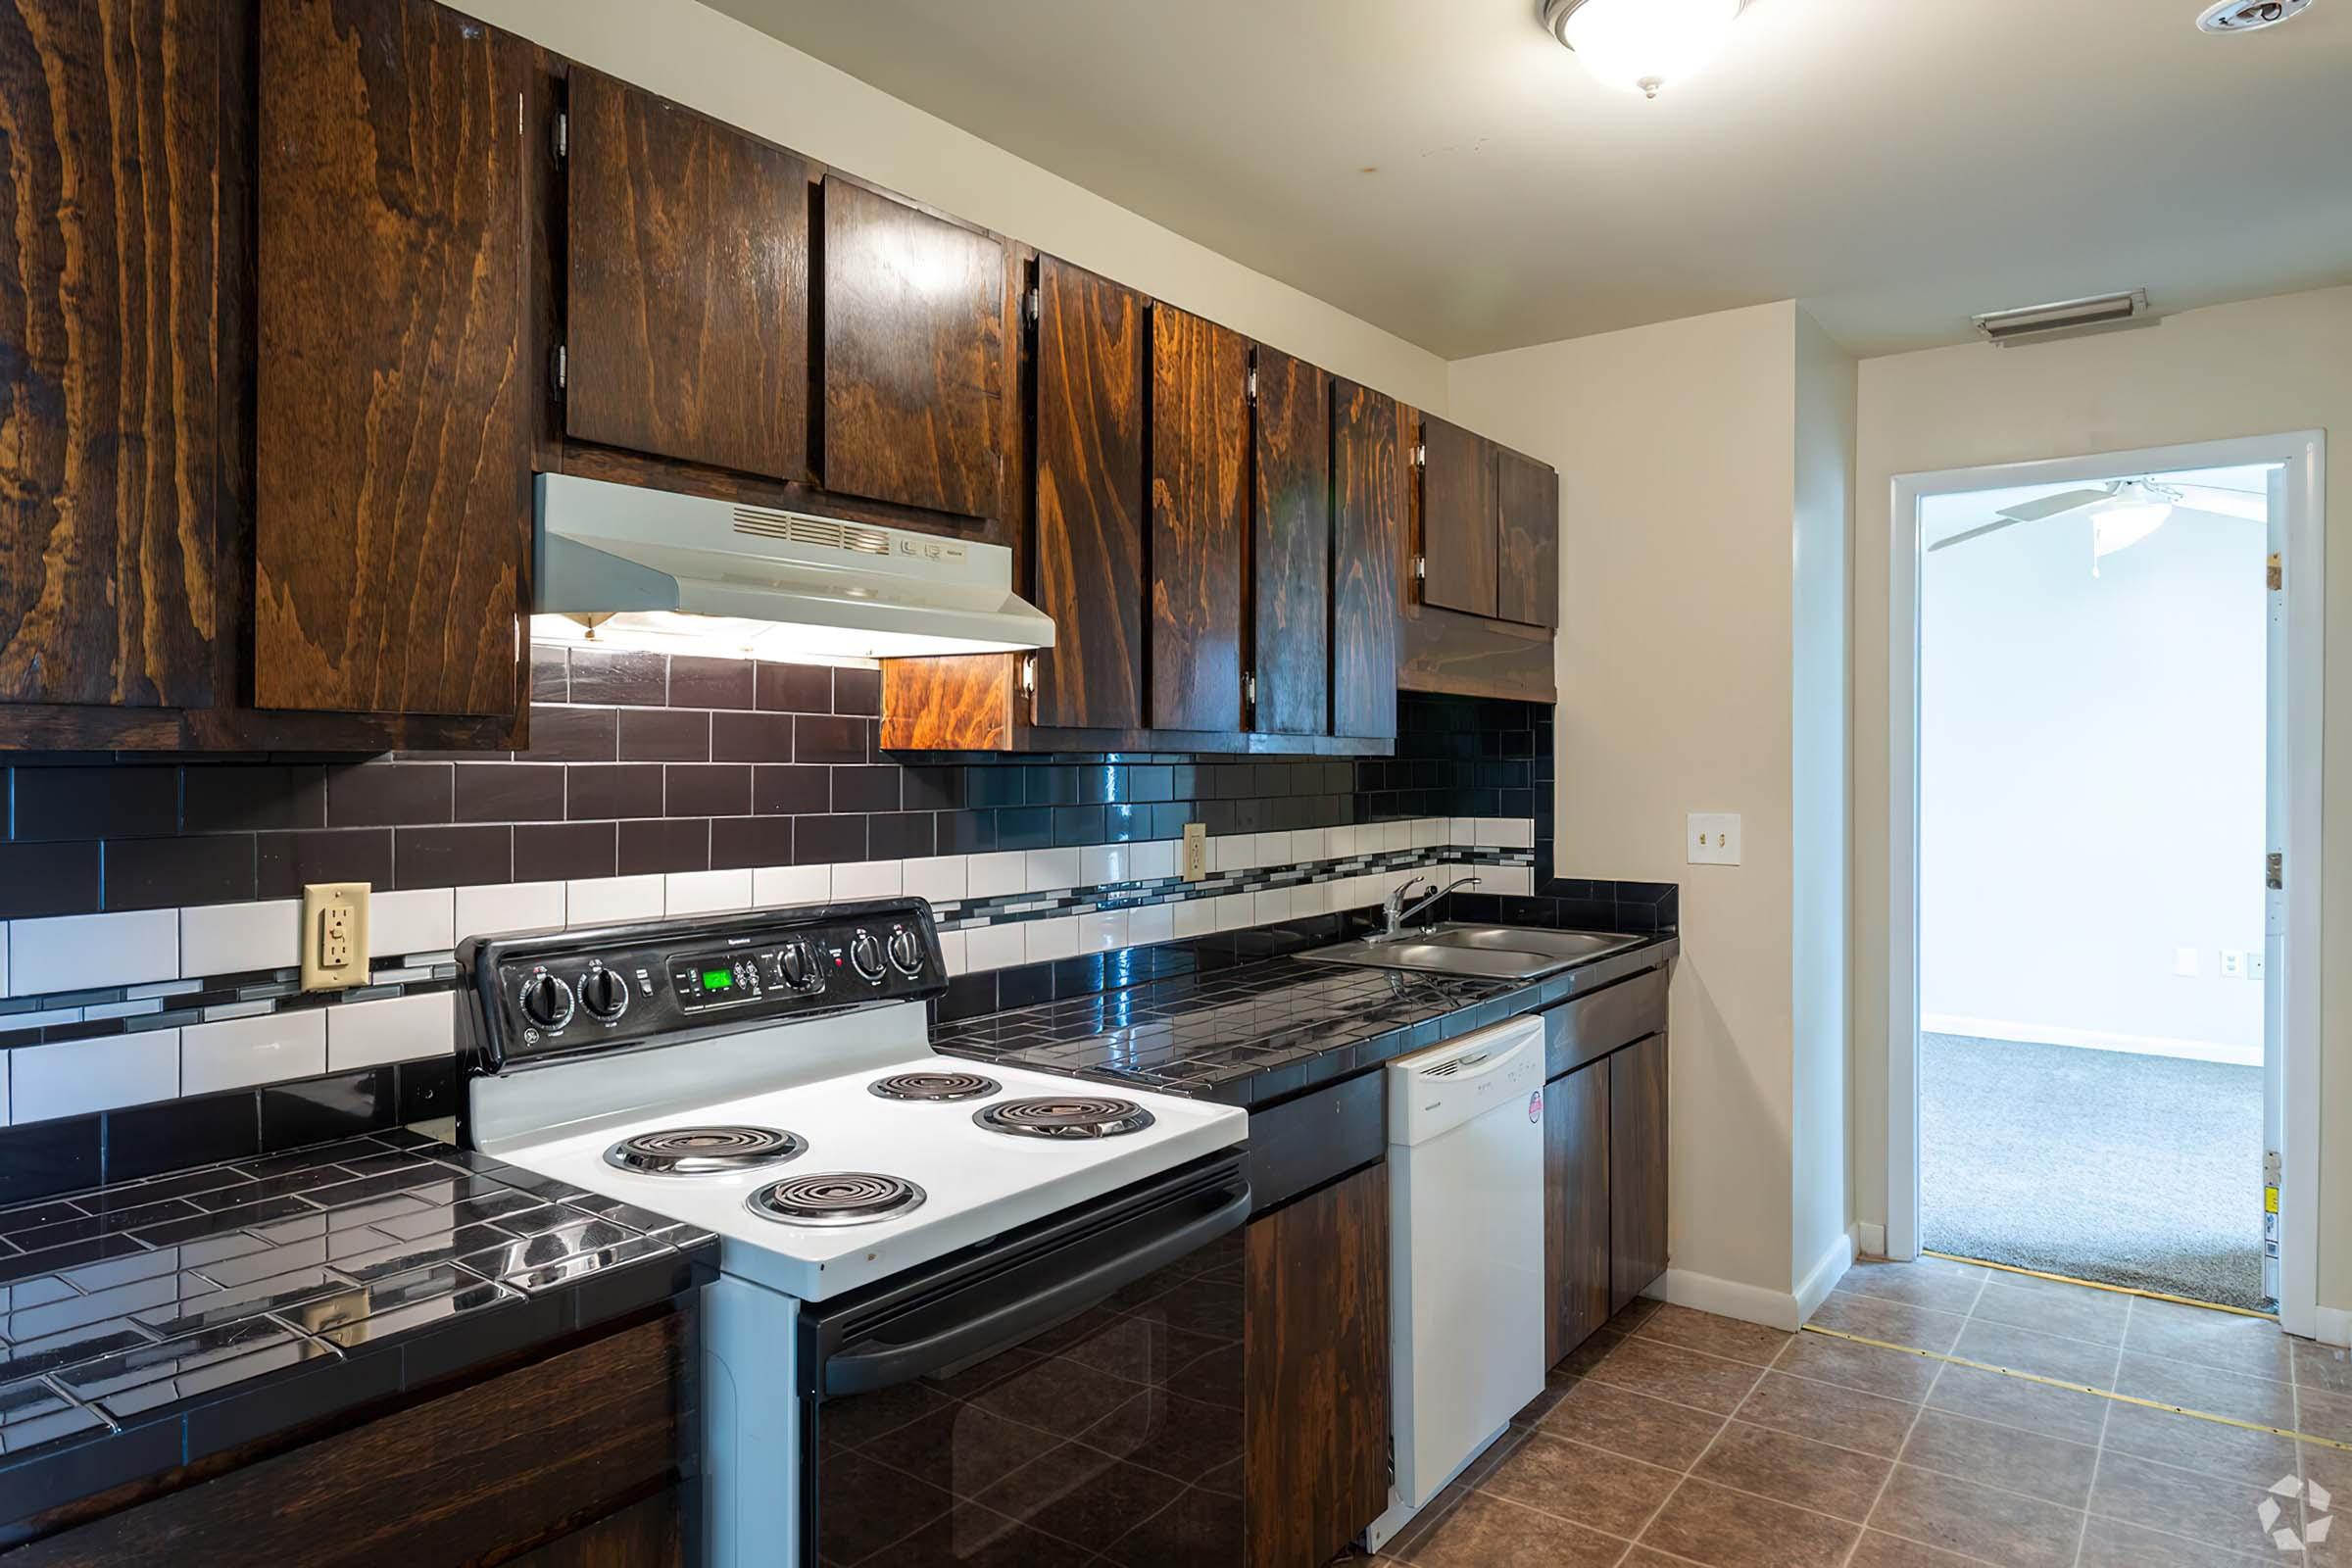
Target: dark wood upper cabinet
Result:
[1576, 1208]
[109, 118]
[915, 366]
[1371, 507]
[1290, 547]
[393, 505]
[1636, 1169]
[687, 310]
[1089, 556]
[1200, 510]
[1528, 500]
[1457, 518]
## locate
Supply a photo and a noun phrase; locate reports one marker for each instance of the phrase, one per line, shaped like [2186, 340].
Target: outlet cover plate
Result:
[336, 912]
[1195, 852]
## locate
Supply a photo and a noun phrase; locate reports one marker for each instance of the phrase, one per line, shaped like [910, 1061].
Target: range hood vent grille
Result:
[795, 528]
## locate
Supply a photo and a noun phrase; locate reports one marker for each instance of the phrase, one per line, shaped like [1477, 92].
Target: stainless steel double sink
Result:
[1481, 952]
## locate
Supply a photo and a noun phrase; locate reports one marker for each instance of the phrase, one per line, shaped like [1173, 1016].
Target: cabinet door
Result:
[1528, 581]
[915, 366]
[1088, 557]
[1576, 1208]
[1457, 518]
[1290, 548]
[687, 314]
[109, 115]
[393, 467]
[1315, 1372]
[1637, 1168]
[1371, 504]
[1200, 507]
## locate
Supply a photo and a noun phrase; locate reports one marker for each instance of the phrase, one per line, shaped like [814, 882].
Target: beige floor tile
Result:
[1577, 1362]
[2179, 1503]
[2053, 1413]
[1845, 1417]
[2044, 1355]
[2321, 1414]
[1635, 1312]
[1960, 1516]
[1928, 1282]
[2110, 1544]
[2325, 1367]
[1633, 1424]
[1725, 1529]
[2232, 1453]
[2201, 1388]
[1894, 1374]
[1787, 1468]
[2049, 1468]
[1578, 1481]
[2076, 1311]
[1684, 1377]
[2254, 1346]
[1487, 1532]
[1726, 1337]
[1892, 1322]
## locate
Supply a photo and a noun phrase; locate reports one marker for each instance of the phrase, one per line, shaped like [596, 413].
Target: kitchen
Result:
[709, 860]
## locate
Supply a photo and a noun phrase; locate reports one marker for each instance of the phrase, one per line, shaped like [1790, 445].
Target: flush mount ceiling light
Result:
[1641, 45]
[2249, 15]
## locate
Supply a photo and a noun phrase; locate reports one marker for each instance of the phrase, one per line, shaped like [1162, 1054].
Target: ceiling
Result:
[1444, 169]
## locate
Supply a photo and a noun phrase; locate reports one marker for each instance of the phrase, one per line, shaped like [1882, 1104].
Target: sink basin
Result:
[1481, 952]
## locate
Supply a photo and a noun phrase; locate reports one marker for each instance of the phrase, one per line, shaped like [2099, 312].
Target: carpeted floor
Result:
[2130, 1170]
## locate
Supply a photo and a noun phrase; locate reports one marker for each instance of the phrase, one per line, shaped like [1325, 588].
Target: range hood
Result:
[650, 568]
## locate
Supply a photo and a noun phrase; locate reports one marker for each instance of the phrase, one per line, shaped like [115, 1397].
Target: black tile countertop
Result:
[1264, 1032]
[148, 1324]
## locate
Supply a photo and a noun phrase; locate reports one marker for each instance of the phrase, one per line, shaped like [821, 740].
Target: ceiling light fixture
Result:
[2249, 15]
[1641, 45]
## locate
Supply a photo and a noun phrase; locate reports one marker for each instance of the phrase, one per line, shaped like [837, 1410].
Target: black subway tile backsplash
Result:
[163, 873]
[753, 738]
[39, 879]
[452, 857]
[680, 844]
[663, 735]
[740, 842]
[284, 861]
[574, 735]
[95, 803]
[510, 792]
[696, 682]
[795, 689]
[220, 799]
[707, 789]
[829, 740]
[598, 791]
[619, 675]
[554, 851]
[858, 691]
[390, 794]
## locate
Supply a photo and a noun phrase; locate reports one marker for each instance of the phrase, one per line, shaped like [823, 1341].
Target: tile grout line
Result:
[1879, 1501]
[2098, 1457]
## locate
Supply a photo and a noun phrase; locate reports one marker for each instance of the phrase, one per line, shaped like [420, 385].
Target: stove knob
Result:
[905, 952]
[799, 966]
[865, 956]
[605, 995]
[547, 1000]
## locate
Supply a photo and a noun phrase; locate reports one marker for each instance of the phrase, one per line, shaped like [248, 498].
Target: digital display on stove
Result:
[714, 980]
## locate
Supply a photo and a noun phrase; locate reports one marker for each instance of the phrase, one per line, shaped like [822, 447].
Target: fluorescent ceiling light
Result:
[1641, 45]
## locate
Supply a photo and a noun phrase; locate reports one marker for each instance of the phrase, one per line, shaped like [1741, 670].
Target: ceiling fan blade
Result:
[1964, 536]
[2052, 506]
[2228, 502]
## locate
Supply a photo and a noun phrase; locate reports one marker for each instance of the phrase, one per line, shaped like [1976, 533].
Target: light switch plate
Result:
[334, 935]
[1195, 852]
[1712, 838]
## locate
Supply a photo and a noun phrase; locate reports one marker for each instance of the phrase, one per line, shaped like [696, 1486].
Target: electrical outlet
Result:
[2234, 963]
[1712, 838]
[1195, 852]
[334, 935]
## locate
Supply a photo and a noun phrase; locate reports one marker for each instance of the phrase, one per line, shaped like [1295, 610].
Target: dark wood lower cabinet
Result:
[1315, 1372]
[572, 1459]
[1637, 1168]
[1576, 1208]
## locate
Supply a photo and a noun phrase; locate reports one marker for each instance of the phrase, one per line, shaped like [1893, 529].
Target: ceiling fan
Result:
[2123, 511]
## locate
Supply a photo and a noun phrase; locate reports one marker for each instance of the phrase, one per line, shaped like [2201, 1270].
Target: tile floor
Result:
[1677, 1437]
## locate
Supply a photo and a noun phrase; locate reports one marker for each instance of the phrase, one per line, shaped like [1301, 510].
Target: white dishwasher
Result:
[1465, 1253]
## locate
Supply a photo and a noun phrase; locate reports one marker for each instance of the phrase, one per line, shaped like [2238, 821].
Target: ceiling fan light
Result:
[1641, 45]
[2124, 524]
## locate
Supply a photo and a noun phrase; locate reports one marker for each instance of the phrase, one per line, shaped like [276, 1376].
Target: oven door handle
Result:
[1009, 1323]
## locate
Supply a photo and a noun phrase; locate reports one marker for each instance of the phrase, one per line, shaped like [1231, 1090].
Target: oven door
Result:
[1064, 1393]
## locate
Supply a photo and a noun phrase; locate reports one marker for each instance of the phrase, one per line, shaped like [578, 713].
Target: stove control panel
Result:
[539, 997]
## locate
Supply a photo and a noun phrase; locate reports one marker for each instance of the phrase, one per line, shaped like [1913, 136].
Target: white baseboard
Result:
[1750, 1304]
[1869, 1240]
[2334, 1326]
[2016, 1032]
[1824, 1274]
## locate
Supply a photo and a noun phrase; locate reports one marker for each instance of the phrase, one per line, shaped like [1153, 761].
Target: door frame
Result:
[2295, 981]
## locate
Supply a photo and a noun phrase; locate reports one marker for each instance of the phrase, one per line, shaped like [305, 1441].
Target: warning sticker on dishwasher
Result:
[1535, 1106]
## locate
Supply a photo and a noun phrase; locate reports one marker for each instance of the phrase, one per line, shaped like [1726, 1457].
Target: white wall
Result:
[1679, 448]
[2257, 367]
[717, 64]
[2091, 780]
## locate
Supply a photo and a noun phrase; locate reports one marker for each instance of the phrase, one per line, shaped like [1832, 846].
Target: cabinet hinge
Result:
[1029, 683]
[562, 136]
[1420, 454]
[1034, 307]
[1420, 568]
[2273, 870]
[2278, 572]
[1250, 692]
[561, 370]
[1253, 383]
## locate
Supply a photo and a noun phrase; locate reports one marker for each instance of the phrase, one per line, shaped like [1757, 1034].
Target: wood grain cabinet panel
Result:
[1290, 548]
[1088, 557]
[1457, 518]
[1528, 572]
[687, 328]
[393, 505]
[915, 365]
[1371, 507]
[108, 124]
[1576, 1208]
[1636, 1169]
[1315, 1372]
[1200, 508]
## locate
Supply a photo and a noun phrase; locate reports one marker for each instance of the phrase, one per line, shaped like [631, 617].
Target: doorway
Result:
[2106, 720]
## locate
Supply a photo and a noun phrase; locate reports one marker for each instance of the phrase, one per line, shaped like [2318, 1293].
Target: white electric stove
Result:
[897, 1230]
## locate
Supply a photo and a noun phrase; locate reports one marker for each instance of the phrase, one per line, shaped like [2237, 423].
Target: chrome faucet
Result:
[1394, 909]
